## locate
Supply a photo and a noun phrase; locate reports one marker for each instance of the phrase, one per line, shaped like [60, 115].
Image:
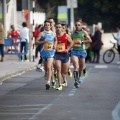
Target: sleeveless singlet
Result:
[47, 48]
[62, 44]
[76, 37]
[14, 34]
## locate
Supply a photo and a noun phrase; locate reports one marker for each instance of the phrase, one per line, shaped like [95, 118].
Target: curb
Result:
[9, 76]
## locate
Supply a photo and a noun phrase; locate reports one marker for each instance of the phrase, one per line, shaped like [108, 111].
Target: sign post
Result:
[72, 4]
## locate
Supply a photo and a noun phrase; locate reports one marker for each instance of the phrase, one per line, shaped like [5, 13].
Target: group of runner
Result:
[57, 47]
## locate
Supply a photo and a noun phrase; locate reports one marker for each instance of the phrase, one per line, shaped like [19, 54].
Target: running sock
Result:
[53, 80]
[75, 73]
[48, 82]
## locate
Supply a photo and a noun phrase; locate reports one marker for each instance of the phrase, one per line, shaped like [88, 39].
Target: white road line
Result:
[70, 94]
[74, 88]
[40, 111]
[101, 66]
[115, 112]
[72, 91]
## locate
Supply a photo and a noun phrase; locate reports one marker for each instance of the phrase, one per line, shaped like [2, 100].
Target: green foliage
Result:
[91, 11]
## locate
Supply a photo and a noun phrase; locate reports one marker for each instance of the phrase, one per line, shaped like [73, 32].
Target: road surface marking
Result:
[101, 66]
[115, 112]
[72, 92]
[40, 111]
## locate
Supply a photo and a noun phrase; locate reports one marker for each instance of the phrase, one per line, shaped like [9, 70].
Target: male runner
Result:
[47, 40]
[61, 55]
[78, 53]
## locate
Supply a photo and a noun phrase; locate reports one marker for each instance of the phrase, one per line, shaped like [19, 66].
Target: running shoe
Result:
[47, 86]
[76, 84]
[64, 83]
[40, 69]
[84, 71]
[53, 85]
[59, 88]
[55, 77]
[79, 80]
[70, 74]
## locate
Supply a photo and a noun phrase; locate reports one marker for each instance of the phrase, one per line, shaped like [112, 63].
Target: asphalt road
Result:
[24, 97]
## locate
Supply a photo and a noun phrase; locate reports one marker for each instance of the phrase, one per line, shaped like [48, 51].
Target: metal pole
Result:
[15, 10]
[72, 15]
[29, 29]
[4, 16]
[33, 10]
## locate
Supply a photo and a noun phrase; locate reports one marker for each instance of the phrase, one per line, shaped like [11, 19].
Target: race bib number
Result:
[76, 42]
[48, 46]
[60, 47]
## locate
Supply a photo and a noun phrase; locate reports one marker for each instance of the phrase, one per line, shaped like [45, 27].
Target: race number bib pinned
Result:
[60, 47]
[76, 42]
[48, 46]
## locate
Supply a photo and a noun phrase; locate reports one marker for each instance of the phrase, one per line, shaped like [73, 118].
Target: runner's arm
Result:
[87, 38]
[70, 41]
[38, 42]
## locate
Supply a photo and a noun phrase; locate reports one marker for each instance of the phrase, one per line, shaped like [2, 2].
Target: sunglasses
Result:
[47, 25]
[58, 27]
[77, 25]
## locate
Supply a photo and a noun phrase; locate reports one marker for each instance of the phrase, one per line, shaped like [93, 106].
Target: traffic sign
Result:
[72, 3]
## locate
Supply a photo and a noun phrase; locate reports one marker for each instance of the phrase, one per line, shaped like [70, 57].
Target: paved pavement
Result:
[11, 67]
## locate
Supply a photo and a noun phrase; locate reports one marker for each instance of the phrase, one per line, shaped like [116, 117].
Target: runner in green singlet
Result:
[78, 53]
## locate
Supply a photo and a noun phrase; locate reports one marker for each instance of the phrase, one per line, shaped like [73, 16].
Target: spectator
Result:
[2, 42]
[88, 47]
[14, 34]
[96, 44]
[24, 34]
[35, 34]
[40, 65]
[117, 37]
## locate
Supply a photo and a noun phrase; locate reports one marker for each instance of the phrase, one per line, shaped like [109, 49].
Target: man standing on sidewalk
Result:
[24, 34]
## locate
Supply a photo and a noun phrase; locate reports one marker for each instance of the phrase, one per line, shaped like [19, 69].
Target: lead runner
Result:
[47, 40]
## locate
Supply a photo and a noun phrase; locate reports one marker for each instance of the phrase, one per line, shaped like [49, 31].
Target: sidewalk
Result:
[11, 67]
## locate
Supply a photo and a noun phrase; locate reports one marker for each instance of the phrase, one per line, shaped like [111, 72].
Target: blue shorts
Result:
[79, 53]
[47, 54]
[46, 57]
[64, 57]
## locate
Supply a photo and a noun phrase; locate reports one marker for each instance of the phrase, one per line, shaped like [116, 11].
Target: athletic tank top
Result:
[14, 34]
[76, 37]
[47, 47]
[62, 44]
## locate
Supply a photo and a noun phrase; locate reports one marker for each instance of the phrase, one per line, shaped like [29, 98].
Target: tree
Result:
[91, 11]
